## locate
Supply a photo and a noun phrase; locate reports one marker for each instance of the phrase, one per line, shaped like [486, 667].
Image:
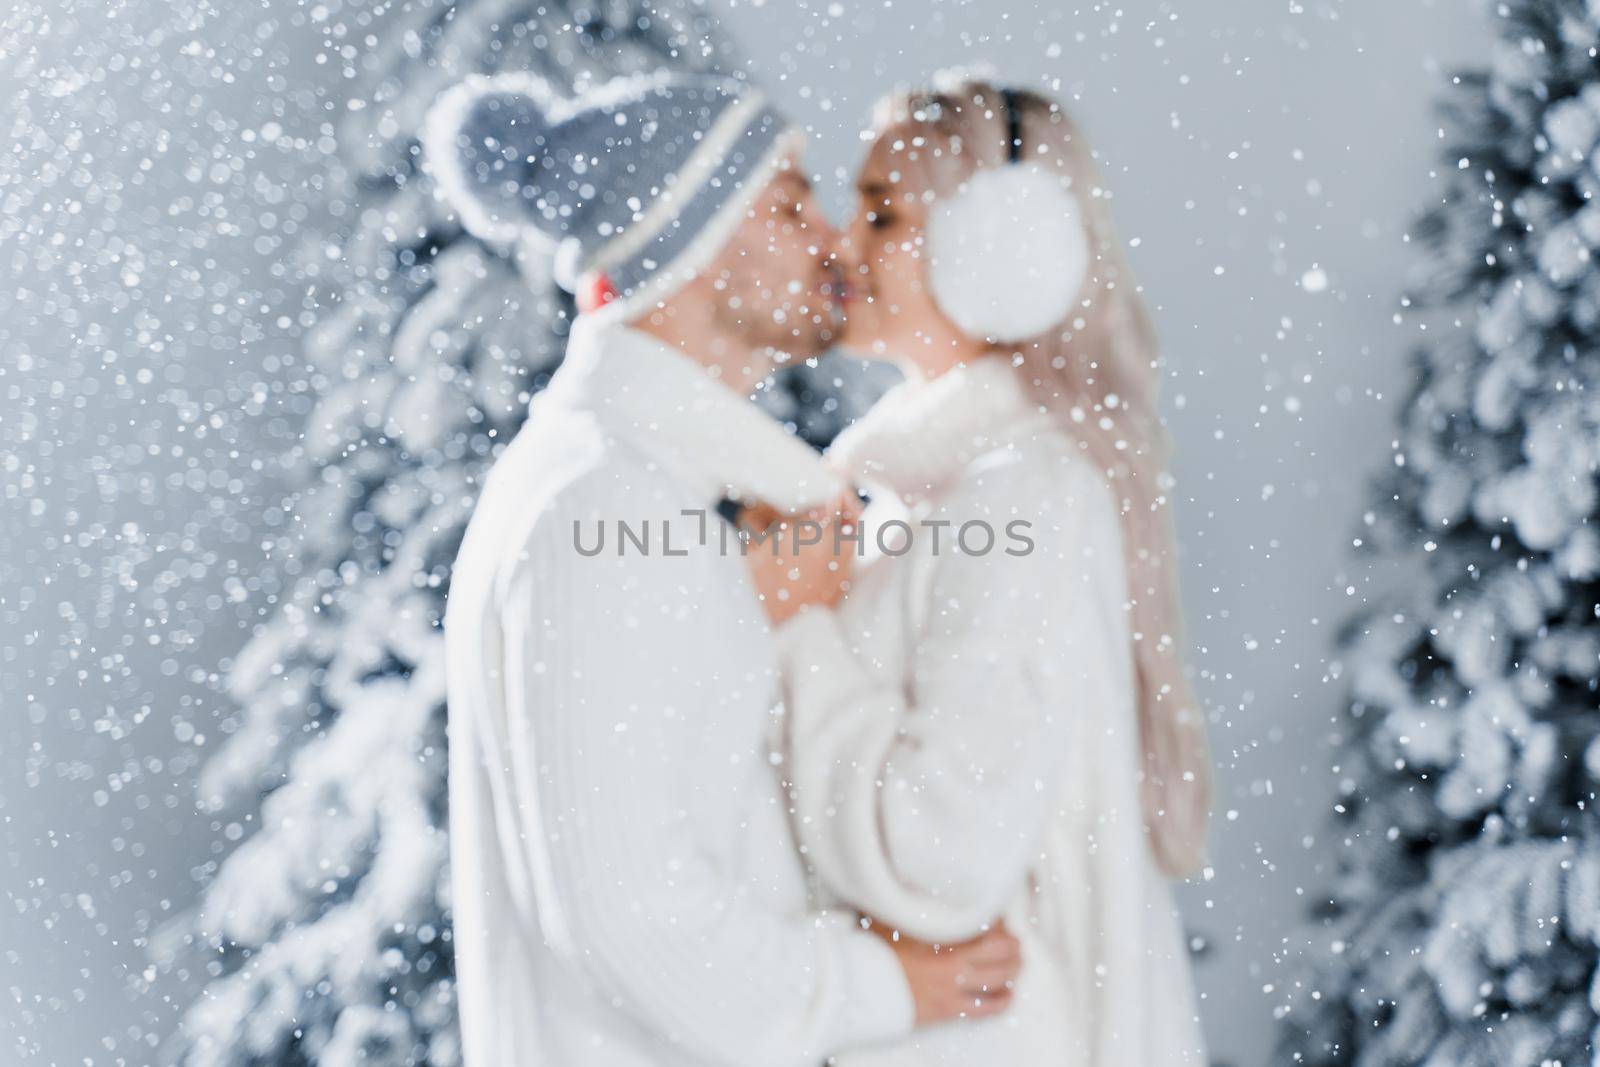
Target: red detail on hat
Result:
[596, 291]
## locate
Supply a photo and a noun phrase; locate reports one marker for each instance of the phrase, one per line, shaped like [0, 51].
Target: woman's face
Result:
[889, 310]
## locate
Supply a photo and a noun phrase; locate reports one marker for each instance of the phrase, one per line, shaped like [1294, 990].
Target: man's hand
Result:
[798, 561]
[970, 980]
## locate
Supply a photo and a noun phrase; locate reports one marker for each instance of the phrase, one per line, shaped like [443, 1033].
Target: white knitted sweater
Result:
[964, 738]
[625, 885]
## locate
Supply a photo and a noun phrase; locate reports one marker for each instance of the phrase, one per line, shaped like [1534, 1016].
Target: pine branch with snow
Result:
[1461, 925]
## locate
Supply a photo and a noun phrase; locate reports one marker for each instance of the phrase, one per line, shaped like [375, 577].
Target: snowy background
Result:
[1267, 156]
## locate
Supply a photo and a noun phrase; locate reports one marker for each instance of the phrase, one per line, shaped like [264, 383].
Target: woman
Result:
[1006, 734]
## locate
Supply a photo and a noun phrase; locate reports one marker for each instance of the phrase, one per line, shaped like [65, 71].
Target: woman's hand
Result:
[802, 560]
[970, 980]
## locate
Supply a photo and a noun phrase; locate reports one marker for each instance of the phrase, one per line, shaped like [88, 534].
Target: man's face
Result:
[775, 283]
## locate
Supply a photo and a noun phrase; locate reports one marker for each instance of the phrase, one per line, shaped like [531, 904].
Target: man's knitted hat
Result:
[636, 185]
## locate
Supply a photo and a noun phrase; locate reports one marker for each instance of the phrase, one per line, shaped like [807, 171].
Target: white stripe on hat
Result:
[708, 156]
[709, 241]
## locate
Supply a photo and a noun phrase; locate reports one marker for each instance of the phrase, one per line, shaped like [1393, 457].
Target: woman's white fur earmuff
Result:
[1008, 253]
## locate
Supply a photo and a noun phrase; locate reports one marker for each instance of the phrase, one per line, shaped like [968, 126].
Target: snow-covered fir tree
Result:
[1463, 924]
[326, 932]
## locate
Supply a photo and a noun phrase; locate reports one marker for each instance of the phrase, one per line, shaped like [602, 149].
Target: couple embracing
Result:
[803, 803]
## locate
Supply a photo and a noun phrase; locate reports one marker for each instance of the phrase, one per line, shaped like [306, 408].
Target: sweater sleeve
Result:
[608, 745]
[921, 800]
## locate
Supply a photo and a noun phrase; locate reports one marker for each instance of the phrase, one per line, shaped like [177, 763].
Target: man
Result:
[625, 885]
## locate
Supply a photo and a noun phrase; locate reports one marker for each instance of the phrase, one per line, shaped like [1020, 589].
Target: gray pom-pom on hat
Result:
[634, 186]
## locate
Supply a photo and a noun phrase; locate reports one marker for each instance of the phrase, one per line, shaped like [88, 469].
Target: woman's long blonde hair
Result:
[1098, 372]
